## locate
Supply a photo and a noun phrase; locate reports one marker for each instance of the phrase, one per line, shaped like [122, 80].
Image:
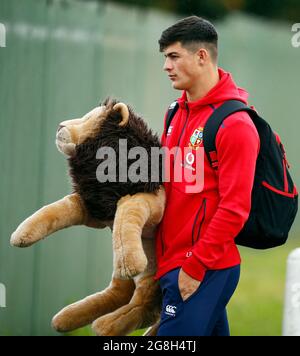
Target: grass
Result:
[256, 309]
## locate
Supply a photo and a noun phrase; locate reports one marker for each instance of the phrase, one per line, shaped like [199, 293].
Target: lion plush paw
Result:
[22, 239]
[130, 265]
[120, 322]
[30, 231]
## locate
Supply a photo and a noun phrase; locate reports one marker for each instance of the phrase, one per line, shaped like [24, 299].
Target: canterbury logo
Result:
[171, 310]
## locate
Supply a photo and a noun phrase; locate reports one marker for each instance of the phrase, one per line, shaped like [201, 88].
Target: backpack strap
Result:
[170, 114]
[215, 121]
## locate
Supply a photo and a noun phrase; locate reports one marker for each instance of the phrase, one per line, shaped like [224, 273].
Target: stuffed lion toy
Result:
[132, 210]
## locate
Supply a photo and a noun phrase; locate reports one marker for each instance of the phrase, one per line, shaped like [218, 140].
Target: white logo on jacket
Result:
[171, 310]
[190, 158]
[169, 130]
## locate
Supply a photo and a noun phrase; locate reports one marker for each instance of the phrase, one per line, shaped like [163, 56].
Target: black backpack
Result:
[274, 201]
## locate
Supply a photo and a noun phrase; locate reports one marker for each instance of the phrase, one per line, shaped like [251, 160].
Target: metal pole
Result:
[2, 296]
[291, 319]
[2, 35]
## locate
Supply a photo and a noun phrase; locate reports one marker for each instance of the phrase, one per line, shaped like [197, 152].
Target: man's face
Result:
[182, 66]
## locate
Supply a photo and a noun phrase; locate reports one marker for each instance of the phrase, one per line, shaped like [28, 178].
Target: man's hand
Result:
[187, 285]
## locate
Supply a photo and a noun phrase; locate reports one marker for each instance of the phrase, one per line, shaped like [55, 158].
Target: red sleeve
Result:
[237, 144]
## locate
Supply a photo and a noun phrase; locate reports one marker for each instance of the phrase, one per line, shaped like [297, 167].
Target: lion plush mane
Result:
[101, 199]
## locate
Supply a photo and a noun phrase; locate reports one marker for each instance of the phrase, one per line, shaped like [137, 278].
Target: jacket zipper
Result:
[202, 207]
[183, 129]
[285, 166]
[202, 221]
[186, 120]
[277, 191]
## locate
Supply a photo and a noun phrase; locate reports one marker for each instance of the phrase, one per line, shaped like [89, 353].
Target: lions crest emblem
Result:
[196, 139]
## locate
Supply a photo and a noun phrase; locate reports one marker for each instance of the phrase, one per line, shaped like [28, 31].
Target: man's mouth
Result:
[172, 77]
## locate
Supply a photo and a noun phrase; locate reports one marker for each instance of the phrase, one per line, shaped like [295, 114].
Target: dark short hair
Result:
[189, 31]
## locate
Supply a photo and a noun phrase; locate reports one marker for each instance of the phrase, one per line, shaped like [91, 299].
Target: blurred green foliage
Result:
[216, 9]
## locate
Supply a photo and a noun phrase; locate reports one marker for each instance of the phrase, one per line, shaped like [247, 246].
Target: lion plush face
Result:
[72, 133]
[104, 126]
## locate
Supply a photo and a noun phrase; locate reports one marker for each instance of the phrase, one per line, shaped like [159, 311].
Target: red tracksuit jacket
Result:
[198, 228]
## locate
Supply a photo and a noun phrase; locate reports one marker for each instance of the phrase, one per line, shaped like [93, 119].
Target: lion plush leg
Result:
[134, 213]
[85, 311]
[142, 311]
[53, 217]
[144, 307]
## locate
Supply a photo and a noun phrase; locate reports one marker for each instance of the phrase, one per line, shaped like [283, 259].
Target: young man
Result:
[198, 261]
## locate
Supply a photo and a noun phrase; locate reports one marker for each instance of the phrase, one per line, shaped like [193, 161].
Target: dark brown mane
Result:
[101, 198]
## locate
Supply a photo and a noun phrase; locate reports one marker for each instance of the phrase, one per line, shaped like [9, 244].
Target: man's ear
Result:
[203, 55]
[123, 110]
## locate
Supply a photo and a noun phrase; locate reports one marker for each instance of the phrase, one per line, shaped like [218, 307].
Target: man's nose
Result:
[167, 65]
